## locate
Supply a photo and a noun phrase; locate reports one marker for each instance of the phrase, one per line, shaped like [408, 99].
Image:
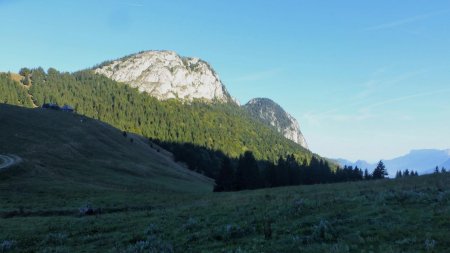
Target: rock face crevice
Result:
[166, 75]
[274, 115]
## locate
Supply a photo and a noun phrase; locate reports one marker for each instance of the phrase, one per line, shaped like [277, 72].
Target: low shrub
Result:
[7, 245]
[153, 244]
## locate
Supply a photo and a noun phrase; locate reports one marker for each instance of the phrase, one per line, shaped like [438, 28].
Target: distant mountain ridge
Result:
[274, 115]
[422, 160]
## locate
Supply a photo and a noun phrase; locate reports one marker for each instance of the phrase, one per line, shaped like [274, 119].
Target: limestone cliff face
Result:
[273, 114]
[165, 75]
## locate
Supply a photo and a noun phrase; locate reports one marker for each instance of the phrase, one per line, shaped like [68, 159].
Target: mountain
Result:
[64, 151]
[166, 75]
[423, 160]
[360, 163]
[445, 165]
[274, 115]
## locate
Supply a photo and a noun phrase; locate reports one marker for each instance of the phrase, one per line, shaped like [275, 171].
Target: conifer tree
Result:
[247, 174]
[380, 171]
[225, 180]
[406, 173]
[366, 174]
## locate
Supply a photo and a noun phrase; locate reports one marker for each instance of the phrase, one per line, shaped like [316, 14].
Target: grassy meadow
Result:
[407, 215]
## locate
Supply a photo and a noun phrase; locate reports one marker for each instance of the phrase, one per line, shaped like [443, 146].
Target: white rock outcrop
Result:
[273, 114]
[165, 75]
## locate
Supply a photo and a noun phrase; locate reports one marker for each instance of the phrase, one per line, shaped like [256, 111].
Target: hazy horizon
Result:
[366, 81]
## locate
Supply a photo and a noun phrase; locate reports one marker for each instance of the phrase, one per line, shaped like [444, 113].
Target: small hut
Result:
[67, 108]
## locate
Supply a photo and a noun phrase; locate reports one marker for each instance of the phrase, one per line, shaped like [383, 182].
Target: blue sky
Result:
[366, 79]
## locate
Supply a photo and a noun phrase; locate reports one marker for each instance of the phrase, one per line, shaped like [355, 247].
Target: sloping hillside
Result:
[219, 127]
[66, 155]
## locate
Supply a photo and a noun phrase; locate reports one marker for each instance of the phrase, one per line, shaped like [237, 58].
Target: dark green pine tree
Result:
[271, 175]
[282, 173]
[293, 170]
[313, 171]
[24, 72]
[380, 171]
[247, 173]
[406, 173]
[366, 174]
[225, 179]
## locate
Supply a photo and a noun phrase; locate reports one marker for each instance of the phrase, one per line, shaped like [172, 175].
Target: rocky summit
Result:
[166, 75]
[273, 114]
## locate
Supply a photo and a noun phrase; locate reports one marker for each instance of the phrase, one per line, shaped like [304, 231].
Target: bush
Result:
[7, 245]
[339, 248]
[152, 229]
[55, 238]
[190, 224]
[429, 245]
[323, 232]
[87, 209]
[298, 206]
[151, 245]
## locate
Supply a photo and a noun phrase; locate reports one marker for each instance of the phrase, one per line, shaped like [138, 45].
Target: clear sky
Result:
[366, 79]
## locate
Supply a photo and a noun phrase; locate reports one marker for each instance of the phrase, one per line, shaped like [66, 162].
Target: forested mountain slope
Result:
[215, 126]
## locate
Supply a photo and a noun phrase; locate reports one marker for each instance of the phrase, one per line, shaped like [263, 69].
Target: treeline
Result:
[192, 127]
[412, 173]
[248, 173]
[199, 159]
[441, 171]
[406, 173]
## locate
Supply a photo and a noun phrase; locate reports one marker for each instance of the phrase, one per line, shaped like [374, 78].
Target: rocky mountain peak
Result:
[166, 75]
[273, 114]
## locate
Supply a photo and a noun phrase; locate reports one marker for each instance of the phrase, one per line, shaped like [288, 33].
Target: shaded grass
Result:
[408, 215]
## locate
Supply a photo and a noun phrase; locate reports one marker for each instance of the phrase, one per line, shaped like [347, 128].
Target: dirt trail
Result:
[8, 161]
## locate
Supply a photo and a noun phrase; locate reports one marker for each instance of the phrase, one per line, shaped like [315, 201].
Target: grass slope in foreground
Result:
[69, 160]
[407, 215]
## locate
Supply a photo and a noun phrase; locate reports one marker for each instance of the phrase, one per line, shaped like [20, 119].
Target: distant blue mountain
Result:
[446, 165]
[360, 164]
[423, 161]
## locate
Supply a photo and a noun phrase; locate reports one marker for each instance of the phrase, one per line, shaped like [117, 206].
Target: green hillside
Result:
[405, 215]
[69, 158]
[220, 127]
